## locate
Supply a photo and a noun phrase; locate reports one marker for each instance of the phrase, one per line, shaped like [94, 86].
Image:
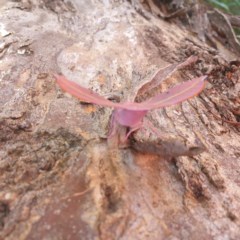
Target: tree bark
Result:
[59, 179]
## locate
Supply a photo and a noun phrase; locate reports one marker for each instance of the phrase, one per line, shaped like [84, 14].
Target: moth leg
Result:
[148, 124]
[116, 133]
[113, 126]
[133, 129]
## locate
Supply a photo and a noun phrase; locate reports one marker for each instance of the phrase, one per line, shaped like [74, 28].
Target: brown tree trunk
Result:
[59, 179]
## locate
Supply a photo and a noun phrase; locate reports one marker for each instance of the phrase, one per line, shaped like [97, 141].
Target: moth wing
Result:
[161, 75]
[175, 94]
[83, 94]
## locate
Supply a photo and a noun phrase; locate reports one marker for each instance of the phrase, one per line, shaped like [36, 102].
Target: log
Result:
[59, 176]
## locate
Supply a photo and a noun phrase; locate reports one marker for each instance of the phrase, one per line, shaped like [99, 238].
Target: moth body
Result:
[129, 118]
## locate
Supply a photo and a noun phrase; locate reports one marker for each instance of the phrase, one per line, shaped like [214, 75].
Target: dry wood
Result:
[59, 179]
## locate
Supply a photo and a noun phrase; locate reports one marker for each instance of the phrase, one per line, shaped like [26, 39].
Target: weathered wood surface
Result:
[58, 177]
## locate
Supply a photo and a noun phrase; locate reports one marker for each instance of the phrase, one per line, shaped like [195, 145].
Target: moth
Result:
[130, 114]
